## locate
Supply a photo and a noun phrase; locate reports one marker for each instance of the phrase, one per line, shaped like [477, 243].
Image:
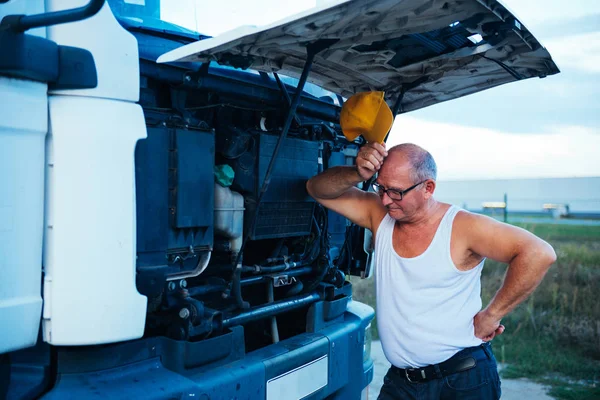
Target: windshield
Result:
[210, 17]
[157, 15]
[182, 17]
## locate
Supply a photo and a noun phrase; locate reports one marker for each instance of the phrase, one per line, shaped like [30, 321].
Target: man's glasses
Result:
[394, 194]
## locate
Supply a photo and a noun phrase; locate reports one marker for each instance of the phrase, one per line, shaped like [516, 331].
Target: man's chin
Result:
[396, 212]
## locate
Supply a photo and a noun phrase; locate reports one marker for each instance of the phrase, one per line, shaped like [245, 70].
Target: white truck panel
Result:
[89, 254]
[23, 127]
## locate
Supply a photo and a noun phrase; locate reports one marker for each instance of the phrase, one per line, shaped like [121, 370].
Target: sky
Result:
[530, 129]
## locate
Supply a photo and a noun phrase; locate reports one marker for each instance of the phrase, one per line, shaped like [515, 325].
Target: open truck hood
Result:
[426, 52]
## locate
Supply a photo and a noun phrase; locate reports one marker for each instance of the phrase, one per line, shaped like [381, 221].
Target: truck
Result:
[156, 237]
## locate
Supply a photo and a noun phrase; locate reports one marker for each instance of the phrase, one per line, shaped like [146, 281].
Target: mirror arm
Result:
[22, 23]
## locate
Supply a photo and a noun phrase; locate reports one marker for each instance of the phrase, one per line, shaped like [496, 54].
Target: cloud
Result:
[577, 52]
[534, 13]
[464, 152]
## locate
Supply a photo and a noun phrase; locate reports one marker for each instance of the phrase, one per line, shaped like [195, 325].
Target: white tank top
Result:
[425, 305]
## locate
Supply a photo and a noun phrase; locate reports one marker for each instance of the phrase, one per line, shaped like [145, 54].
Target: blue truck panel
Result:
[153, 375]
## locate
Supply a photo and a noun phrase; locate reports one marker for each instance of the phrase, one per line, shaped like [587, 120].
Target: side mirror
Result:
[34, 58]
[22, 23]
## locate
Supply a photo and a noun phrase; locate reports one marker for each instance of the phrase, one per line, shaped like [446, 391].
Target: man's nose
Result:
[385, 199]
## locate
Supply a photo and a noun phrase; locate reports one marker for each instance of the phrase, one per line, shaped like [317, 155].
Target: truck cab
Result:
[156, 236]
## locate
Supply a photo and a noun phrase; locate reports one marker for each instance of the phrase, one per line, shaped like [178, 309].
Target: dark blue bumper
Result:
[294, 367]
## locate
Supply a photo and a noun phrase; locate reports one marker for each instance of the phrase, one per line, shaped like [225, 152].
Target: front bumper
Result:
[290, 369]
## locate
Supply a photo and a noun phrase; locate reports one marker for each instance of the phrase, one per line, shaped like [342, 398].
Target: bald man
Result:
[428, 261]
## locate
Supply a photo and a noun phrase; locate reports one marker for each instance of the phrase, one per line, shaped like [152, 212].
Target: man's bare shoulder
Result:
[489, 237]
[468, 225]
[465, 219]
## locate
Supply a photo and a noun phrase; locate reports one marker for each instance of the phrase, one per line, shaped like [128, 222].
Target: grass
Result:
[556, 232]
[566, 391]
[540, 357]
[554, 336]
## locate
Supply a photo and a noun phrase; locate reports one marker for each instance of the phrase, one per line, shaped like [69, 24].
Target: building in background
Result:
[579, 197]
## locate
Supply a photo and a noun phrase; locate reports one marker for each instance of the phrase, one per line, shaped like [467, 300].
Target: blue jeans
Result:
[481, 382]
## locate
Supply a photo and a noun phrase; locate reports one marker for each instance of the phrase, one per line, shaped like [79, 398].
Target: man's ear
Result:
[429, 188]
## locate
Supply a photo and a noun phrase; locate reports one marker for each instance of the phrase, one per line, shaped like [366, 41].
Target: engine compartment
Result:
[199, 176]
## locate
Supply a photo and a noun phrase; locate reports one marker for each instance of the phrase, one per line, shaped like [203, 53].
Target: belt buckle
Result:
[408, 377]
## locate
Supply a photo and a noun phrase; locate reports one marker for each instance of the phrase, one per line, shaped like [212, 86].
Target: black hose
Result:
[261, 269]
[271, 310]
[317, 226]
[324, 261]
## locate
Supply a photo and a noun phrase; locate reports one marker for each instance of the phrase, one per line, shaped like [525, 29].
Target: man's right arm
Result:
[336, 188]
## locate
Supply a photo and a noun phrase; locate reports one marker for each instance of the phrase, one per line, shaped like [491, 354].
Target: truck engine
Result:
[214, 250]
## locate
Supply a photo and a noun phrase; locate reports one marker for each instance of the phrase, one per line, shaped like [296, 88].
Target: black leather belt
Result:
[458, 363]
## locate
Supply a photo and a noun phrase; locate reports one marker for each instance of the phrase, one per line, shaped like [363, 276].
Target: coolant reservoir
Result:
[229, 216]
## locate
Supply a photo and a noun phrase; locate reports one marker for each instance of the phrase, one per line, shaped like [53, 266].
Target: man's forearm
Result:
[525, 272]
[333, 182]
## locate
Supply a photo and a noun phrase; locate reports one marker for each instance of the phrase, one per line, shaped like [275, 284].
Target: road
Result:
[512, 389]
